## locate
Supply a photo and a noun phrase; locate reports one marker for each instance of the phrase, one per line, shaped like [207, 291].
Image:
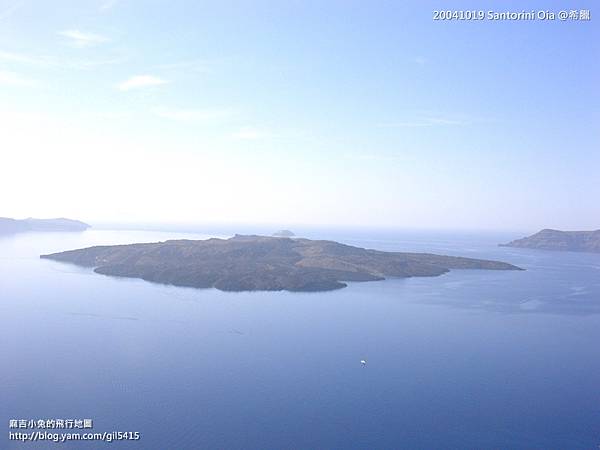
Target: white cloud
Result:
[14, 79]
[251, 134]
[198, 66]
[9, 10]
[446, 121]
[91, 64]
[192, 115]
[108, 4]
[24, 59]
[81, 39]
[140, 81]
[47, 62]
[377, 157]
[427, 122]
[420, 60]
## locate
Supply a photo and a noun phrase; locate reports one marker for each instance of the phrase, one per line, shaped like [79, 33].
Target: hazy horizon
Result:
[314, 114]
[235, 227]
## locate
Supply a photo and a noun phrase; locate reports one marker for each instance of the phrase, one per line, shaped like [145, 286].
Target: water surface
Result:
[471, 359]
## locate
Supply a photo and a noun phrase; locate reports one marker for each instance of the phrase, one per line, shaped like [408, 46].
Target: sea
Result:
[472, 359]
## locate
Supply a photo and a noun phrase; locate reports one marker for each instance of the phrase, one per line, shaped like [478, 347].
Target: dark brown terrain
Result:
[250, 263]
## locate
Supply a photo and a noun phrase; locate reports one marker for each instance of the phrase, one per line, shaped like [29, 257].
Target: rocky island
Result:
[573, 241]
[15, 226]
[259, 263]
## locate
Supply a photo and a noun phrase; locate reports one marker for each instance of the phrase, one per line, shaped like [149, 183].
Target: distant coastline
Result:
[548, 239]
[8, 225]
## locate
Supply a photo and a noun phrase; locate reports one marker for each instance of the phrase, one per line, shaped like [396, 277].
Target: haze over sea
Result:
[471, 359]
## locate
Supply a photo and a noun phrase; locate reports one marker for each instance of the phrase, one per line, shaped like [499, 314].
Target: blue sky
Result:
[299, 112]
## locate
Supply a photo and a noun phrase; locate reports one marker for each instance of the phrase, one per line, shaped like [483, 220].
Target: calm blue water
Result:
[469, 360]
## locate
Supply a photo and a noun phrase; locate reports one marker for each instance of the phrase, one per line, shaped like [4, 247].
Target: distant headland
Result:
[573, 241]
[284, 233]
[15, 226]
[260, 263]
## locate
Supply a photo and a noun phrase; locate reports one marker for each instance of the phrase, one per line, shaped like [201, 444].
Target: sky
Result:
[337, 113]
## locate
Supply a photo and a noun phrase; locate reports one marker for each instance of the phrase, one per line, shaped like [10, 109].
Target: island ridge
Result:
[573, 241]
[251, 263]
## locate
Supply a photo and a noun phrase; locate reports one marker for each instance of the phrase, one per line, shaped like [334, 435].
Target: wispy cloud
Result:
[420, 60]
[54, 63]
[199, 66]
[82, 39]
[376, 157]
[428, 121]
[192, 115]
[113, 115]
[24, 59]
[92, 64]
[108, 4]
[140, 81]
[13, 79]
[9, 10]
[251, 134]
